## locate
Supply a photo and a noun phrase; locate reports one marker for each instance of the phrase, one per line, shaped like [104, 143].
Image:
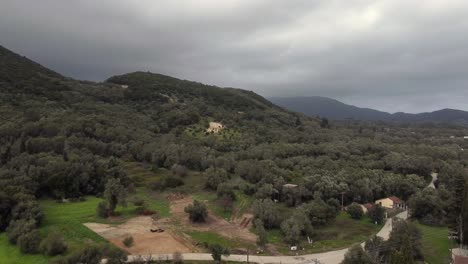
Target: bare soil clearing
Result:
[172, 239]
[146, 242]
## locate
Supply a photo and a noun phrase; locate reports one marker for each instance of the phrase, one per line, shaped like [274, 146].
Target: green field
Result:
[435, 244]
[342, 233]
[10, 254]
[67, 218]
[214, 238]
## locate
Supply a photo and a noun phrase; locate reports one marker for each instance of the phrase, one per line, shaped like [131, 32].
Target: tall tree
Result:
[261, 233]
[356, 255]
[115, 194]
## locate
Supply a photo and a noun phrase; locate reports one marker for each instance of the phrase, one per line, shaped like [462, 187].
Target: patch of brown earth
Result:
[145, 242]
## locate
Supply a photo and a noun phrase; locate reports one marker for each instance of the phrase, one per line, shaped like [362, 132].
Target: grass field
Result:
[67, 218]
[213, 238]
[342, 233]
[141, 175]
[10, 254]
[435, 244]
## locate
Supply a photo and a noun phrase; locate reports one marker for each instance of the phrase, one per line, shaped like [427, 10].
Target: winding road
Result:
[330, 257]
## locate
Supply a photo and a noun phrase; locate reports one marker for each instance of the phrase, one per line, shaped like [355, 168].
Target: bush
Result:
[157, 185]
[217, 251]
[177, 258]
[226, 189]
[88, 254]
[355, 211]
[128, 241]
[197, 211]
[138, 202]
[114, 255]
[167, 182]
[18, 228]
[214, 177]
[179, 170]
[102, 210]
[53, 245]
[172, 182]
[29, 242]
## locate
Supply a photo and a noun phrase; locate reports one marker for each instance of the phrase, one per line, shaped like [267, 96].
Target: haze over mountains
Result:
[334, 109]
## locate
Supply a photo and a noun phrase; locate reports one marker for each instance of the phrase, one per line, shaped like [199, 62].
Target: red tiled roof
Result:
[460, 260]
[395, 199]
[368, 206]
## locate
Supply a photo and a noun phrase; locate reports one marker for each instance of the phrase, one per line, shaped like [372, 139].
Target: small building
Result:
[215, 127]
[391, 202]
[459, 256]
[290, 186]
[465, 137]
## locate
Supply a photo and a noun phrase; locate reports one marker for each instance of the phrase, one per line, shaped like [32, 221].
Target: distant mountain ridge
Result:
[336, 110]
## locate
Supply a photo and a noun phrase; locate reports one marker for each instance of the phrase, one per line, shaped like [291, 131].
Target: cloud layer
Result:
[392, 55]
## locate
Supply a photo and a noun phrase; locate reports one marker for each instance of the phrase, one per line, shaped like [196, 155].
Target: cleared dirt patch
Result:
[213, 224]
[146, 242]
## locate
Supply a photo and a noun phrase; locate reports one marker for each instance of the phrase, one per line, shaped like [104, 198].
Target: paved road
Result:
[330, 257]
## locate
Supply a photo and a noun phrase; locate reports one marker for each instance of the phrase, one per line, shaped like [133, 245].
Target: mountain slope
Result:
[334, 109]
[327, 107]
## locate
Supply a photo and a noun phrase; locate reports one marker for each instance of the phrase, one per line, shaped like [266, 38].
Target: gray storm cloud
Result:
[392, 55]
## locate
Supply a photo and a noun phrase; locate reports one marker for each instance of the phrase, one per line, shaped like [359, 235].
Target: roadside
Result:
[330, 257]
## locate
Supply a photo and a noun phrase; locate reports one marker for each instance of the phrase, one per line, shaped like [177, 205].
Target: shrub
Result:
[167, 182]
[88, 254]
[157, 185]
[138, 202]
[177, 258]
[226, 189]
[128, 241]
[29, 242]
[53, 245]
[179, 170]
[214, 177]
[355, 211]
[197, 211]
[18, 228]
[114, 255]
[217, 251]
[172, 182]
[102, 210]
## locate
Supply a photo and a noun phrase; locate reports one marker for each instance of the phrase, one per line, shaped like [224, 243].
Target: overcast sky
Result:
[391, 55]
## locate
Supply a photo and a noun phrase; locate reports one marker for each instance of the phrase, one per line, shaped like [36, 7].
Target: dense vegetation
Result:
[64, 139]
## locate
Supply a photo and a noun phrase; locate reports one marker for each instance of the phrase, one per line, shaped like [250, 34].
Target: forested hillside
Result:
[63, 138]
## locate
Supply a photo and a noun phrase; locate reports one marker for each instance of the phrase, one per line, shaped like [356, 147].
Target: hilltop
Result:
[336, 110]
